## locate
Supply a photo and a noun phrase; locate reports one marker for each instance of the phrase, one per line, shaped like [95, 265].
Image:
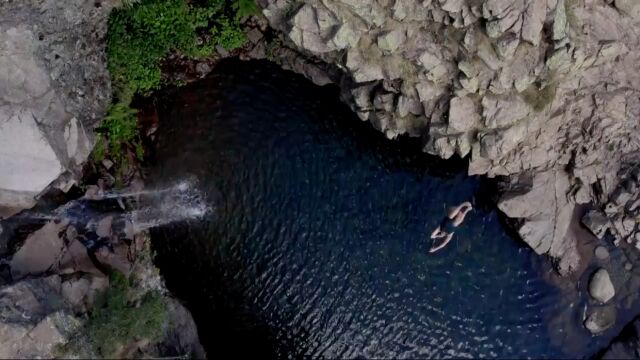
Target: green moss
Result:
[115, 321]
[272, 46]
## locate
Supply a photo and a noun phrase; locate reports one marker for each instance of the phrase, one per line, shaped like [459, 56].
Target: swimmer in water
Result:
[455, 217]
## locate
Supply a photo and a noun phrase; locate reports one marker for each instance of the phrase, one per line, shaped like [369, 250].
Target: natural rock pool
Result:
[317, 241]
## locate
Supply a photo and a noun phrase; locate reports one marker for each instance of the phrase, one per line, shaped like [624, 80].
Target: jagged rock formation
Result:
[619, 213]
[35, 318]
[53, 281]
[546, 92]
[54, 88]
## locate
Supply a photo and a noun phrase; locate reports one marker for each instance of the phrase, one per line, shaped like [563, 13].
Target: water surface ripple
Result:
[317, 242]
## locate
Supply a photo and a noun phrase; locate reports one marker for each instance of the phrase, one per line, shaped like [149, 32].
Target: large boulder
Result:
[54, 88]
[600, 320]
[545, 213]
[600, 286]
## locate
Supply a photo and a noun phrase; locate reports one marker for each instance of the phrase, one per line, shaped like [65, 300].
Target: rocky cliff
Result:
[544, 92]
[54, 88]
[58, 300]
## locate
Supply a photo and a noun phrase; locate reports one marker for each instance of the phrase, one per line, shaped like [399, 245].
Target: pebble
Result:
[602, 253]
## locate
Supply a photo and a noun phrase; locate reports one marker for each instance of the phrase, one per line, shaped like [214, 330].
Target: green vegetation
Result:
[116, 321]
[245, 8]
[272, 46]
[140, 35]
[119, 132]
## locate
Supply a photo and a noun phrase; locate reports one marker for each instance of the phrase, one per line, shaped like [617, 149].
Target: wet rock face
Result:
[54, 88]
[626, 345]
[544, 87]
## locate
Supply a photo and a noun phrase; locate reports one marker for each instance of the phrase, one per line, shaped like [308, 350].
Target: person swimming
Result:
[445, 230]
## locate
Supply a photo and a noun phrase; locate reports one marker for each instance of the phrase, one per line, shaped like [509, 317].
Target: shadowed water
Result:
[318, 242]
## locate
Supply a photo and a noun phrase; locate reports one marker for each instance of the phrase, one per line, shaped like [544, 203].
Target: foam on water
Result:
[179, 201]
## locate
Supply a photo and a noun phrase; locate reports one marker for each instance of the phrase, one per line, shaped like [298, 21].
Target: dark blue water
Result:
[317, 245]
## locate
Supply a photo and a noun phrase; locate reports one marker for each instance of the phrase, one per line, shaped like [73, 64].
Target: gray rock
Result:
[534, 21]
[202, 69]
[545, 212]
[630, 7]
[601, 253]
[611, 209]
[628, 224]
[48, 108]
[181, 336]
[546, 101]
[39, 253]
[391, 41]
[33, 318]
[600, 320]
[75, 291]
[601, 287]
[463, 115]
[596, 222]
[621, 196]
[311, 27]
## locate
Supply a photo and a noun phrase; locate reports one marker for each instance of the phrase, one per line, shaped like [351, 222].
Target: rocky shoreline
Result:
[544, 95]
[471, 83]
